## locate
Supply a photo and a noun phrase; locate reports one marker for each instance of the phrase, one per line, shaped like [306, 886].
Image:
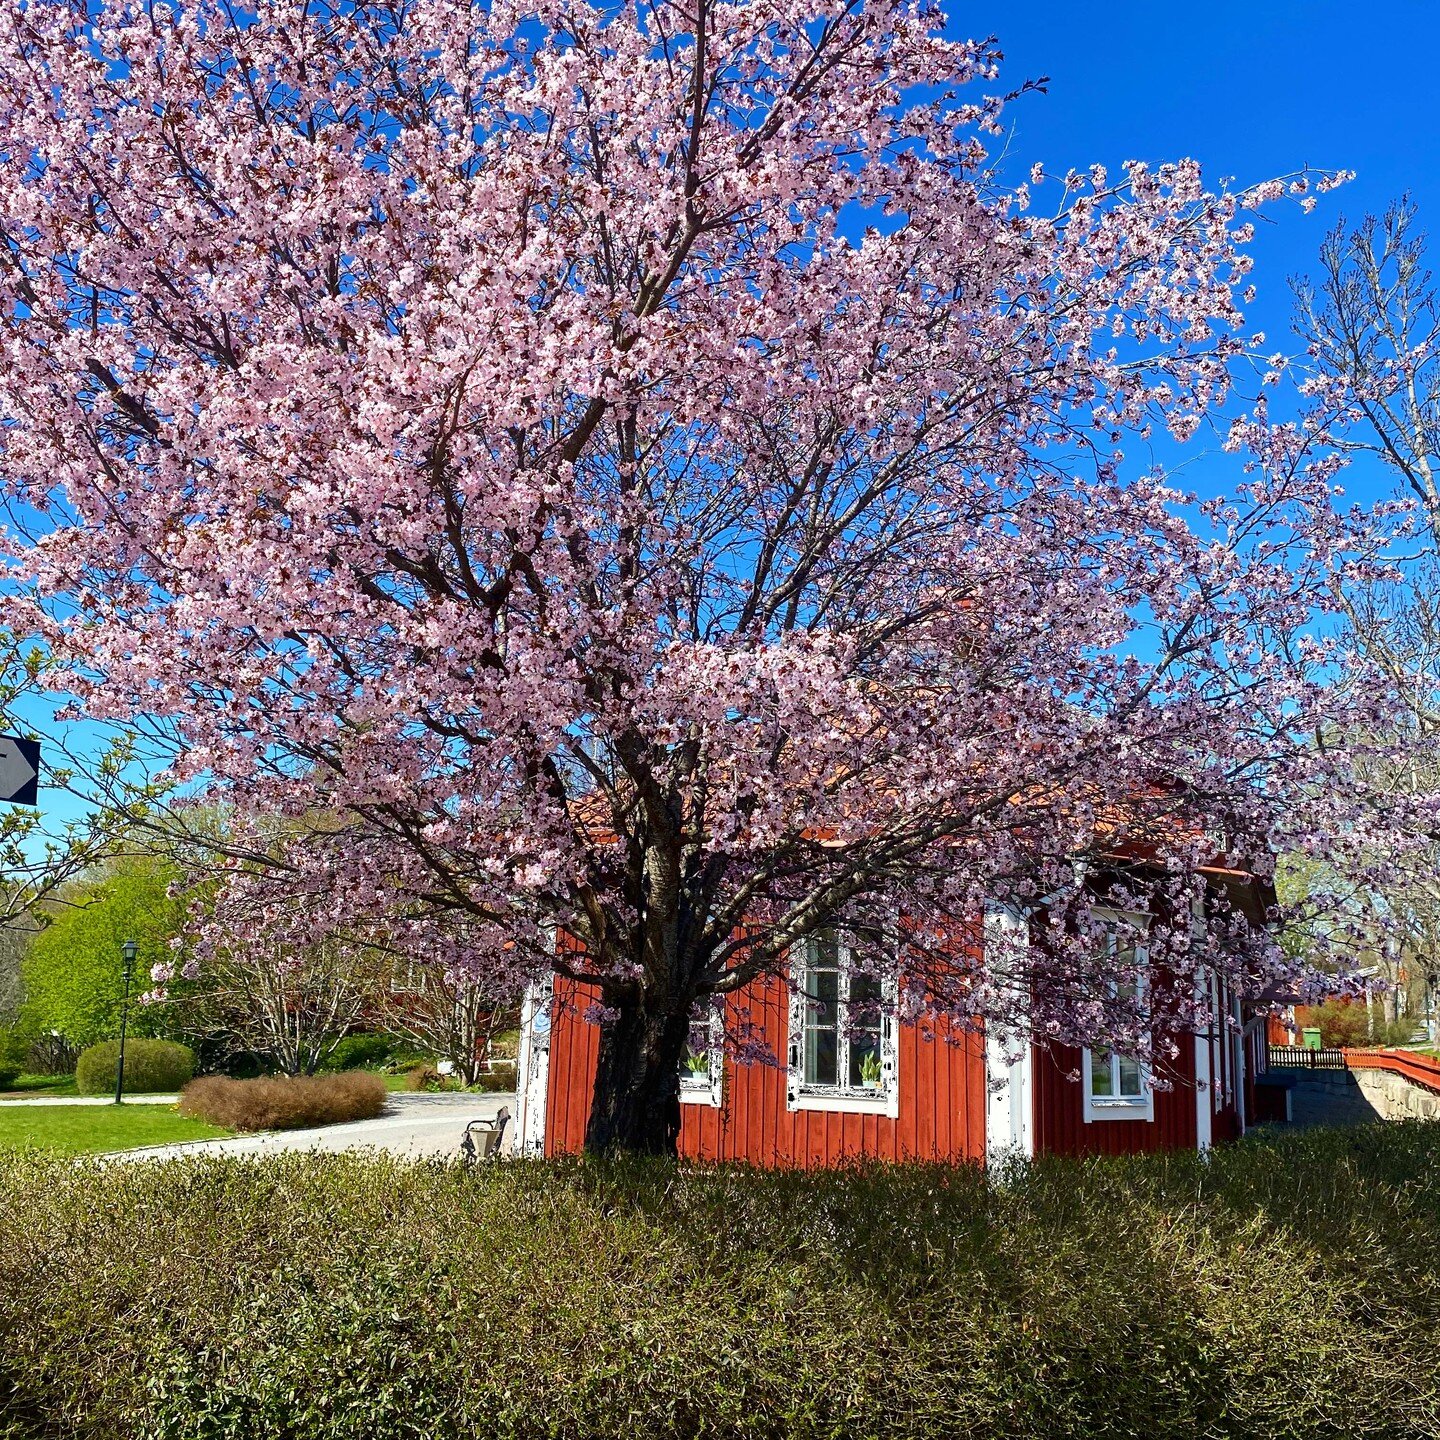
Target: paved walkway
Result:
[415, 1126]
[88, 1100]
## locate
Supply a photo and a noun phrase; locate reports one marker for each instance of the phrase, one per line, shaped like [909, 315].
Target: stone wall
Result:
[1350, 1097]
[1329, 1097]
[1395, 1098]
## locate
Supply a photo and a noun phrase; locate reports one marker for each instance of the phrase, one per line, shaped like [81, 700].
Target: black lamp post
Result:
[129, 949]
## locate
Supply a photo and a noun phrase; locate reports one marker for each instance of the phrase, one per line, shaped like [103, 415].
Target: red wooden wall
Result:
[941, 1099]
[1060, 1127]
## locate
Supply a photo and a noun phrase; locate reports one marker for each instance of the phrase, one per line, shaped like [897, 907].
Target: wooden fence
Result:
[1417, 1068]
[1296, 1057]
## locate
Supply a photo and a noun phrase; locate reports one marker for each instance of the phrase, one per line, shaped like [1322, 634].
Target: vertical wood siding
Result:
[574, 1049]
[941, 1102]
[1060, 1127]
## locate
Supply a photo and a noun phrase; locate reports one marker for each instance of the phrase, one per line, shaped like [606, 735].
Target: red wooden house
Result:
[892, 1090]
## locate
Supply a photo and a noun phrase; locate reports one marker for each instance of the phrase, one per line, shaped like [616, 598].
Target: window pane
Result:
[820, 1057]
[863, 1015]
[1100, 1074]
[822, 1009]
[696, 1064]
[864, 1057]
[864, 999]
[823, 989]
[1130, 1086]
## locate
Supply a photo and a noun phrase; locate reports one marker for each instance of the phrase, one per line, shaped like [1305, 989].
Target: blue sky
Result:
[1250, 88]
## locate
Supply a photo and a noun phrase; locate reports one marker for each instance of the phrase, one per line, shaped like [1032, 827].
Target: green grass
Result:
[1288, 1287]
[80, 1129]
[29, 1086]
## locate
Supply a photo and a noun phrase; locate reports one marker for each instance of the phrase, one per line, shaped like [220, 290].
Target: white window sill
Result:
[697, 1093]
[1119, 1110]
[841, 1101]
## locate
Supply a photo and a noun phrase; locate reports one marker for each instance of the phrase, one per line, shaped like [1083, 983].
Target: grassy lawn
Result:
[78, 1129]
[29, 1086]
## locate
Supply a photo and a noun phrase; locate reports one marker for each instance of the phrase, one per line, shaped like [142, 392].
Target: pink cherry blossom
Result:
[635, 474]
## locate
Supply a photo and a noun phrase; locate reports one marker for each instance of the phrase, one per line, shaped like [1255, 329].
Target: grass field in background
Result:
[27, 1087]
[82, 1129]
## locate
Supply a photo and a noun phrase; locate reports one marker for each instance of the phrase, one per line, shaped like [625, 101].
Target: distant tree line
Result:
[250, 1004]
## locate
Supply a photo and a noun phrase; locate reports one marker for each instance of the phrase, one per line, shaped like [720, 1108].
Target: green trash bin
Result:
[1310, 1038]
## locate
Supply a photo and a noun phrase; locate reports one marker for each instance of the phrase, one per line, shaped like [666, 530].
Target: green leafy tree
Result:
[73, 972]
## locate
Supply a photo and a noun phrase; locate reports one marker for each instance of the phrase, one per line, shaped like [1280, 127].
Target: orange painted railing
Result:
[1421, 1069]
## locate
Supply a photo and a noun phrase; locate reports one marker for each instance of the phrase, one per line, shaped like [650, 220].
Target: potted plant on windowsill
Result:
[870, 1071]
[697, 1067]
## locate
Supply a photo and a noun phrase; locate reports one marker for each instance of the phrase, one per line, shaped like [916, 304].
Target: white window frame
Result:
[1120, 1107]
[841, 1098]
[709, 1088]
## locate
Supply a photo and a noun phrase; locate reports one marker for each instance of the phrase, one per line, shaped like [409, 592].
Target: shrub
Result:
[1288, 1287]
[505, 1045]
[355, 1052]
[403, 1059]
[151, 1066]
[52, 1054]
[1391, 1032]
[500, 1077]
[244, 1065]
[1351, 1023]
[14, 1052]
[427, 1077]
[284, 1102]
[1340, 1022]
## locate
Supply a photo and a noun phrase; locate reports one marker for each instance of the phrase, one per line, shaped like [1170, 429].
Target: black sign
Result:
[19, 770]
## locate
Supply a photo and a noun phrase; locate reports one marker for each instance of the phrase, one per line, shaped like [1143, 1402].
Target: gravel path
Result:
[415, 1126]
[88, 1100]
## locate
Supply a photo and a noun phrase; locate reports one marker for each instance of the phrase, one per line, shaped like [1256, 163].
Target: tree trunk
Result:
[636, 1102]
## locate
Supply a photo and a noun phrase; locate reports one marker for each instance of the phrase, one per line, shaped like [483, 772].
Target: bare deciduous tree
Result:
[447, 1013]
[1371, 322]
[290, 1008]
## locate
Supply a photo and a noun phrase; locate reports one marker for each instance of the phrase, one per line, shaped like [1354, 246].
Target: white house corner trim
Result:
[1009, 1077]
[1009, 1100]
[1204, 1112]
[533, 1065]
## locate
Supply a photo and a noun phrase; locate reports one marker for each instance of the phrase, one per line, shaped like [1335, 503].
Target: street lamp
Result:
[129, 949]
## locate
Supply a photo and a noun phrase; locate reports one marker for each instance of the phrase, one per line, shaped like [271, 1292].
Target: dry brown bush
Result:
[285, 1102]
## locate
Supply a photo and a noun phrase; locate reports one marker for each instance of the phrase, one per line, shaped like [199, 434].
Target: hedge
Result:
[14, 1055]
[151, 1067]
[284, 1102]
[355, 1051]
[501, 1078]
[1287, 1288]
